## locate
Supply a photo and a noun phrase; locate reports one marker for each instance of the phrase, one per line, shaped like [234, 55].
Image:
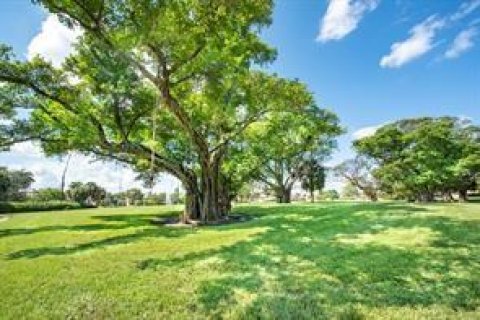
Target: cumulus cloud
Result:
[462, 43]
[366, 132]
[342, 17]
[47, 171]
[54, 42]
[419, 43]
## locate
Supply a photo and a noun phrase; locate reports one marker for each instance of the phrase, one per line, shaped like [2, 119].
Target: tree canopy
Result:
[167, 86]
[417, 158]
[14, 184]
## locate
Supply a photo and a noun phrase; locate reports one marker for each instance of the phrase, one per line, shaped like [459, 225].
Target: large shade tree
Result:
[164, 86]
[419, 158]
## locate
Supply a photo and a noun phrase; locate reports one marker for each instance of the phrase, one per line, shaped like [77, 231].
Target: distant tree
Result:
[110, 200]
[290, 141]
[47, 194]
[148, 178]
[14, 183]
[330, 195]
[245, 193]
[313, 177]
[358, 172]
[133, 196]
[156, 199]
[419, 158]
[350, 191]
[89, 193]
[175, 196]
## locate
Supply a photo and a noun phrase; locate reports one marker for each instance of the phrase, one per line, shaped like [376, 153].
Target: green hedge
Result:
[28, 206]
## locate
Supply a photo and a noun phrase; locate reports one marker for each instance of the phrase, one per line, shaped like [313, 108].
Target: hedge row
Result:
[28, 206]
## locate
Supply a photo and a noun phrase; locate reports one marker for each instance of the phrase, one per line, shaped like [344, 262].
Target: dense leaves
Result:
[168, 86]
[14, 184]
[418, 158]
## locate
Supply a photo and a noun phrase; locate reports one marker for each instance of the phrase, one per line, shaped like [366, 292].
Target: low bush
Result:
[28, 206]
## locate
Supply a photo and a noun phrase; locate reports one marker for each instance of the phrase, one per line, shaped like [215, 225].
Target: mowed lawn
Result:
[327, 260]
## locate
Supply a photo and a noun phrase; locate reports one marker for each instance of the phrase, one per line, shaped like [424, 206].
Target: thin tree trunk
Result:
[64, 175]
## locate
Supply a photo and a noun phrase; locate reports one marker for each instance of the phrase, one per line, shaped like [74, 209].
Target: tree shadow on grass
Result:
[140, 222]
[124, 221]
[298, 268]
[103, 243]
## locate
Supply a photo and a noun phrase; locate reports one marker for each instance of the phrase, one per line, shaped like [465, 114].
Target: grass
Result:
[321, 261]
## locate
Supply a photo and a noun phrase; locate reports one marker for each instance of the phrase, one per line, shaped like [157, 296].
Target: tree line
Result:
[15, 186]
[419, 159]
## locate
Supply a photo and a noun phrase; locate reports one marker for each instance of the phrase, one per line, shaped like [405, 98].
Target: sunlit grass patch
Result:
[326, 261]
[394, 237]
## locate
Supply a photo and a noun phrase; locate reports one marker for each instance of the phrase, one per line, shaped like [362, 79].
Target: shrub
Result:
[28, 206]
[155, 199]
[46, 194]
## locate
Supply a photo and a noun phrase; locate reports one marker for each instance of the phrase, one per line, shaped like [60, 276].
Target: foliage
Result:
[156, 199]
[43, 205]
[176, 196]
[331, 194]
[131, 196]
[417, 158]
[86, 193]
[289, 143]
[165, 86]
[323, 261]
[46, 194]
[349, 191]
[14, 183]
[358, 172]
[313, 177]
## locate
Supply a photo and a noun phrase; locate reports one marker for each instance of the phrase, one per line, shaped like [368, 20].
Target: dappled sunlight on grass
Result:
[394, 237]
[328, 260]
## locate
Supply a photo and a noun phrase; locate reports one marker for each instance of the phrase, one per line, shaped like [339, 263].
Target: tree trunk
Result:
[224, 198]
[462, 195]
[207, 195]
[192, 206]
[372, 196]
[214, 193]
[447, 196]
[312, 195]
[426, 196]
[284, 195]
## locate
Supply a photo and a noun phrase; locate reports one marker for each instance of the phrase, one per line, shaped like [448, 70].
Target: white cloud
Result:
[47, 171]
[462, 42]
[342, 17]
[54, 42]
[366, 132]
[465, 9]
[419, 43]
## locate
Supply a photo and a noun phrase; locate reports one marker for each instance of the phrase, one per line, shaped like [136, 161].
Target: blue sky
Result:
[370, 61]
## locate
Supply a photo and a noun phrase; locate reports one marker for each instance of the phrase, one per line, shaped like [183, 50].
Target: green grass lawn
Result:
[329, 260]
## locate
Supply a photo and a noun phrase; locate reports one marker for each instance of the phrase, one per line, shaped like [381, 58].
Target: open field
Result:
[329, 260]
